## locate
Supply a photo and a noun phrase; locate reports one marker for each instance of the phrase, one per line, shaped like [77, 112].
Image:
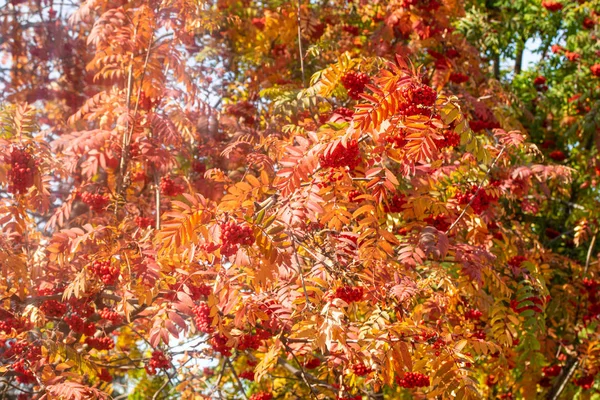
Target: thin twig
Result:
[589, 254]
[479, 186]
[300, 45]
[237, 378]
[563, 379]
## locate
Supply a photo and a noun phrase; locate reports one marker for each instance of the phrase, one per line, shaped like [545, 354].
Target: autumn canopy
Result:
[262, 200]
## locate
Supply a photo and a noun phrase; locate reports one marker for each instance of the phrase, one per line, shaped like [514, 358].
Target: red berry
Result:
[457, 77]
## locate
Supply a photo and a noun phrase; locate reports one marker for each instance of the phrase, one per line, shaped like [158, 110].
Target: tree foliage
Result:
[280, 200]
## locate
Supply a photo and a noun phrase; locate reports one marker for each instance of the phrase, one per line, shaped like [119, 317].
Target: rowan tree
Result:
[281, 200]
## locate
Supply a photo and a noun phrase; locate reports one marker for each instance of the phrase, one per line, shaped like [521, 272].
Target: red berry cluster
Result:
[105, 271]
[96, 201]
[249, 341]
[479, 334]
[478, 125]
[552, 5]
[261, 396]
[457, 77]
[198, 167]
[473, 314]
[22, 171]
[105, 376]
[413, 380]
[25, 376]
[398, 140]
[451, 139]
[144, 222]
[248, 375]
[109, 315]
[515, 263]
[396, 204]
[441, 222]
[101, 343]
[585, 382]
[259, 23]
[572, 56]
[8, 324]
[202, 318]
[245, 110]
[425, 5]
[551, 370]
[53, 308]
[78, 325]
[158, 361]
[219, 344]
[595, 70]
[200, 291]
[350, 293]
[360, 369]
[233, 235]
[588, 23]
[344, 113]
[419, 98]
[341, 156]
[355, 82]
[481, 201]
[352, 196]
[351, 29]
[591, 288]
[539, 80]
[146, 103]
[170, 188]
[558, 155]
[312, 363]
